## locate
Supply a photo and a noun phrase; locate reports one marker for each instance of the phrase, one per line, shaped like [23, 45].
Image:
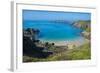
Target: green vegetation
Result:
[83, 22]
[85, 25]
[88, 29]
[80, 53]
[36, 51]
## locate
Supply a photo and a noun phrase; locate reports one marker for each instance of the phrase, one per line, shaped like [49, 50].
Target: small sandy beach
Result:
[76, 42]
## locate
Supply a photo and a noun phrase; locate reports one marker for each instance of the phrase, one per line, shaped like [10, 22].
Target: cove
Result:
[54, 30]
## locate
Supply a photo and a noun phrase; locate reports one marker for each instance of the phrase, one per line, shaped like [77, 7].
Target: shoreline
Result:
[76, 42]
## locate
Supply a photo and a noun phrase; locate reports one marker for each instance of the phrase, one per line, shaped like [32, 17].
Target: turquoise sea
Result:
[54, 31]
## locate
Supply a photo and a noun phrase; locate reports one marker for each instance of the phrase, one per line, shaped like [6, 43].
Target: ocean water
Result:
[54, 31]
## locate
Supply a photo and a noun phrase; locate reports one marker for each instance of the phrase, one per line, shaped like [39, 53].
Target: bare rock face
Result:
[77, 25]
[86, 34]
[82, 24]
[85, 26]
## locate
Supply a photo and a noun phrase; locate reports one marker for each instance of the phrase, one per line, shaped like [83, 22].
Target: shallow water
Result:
[54, 31]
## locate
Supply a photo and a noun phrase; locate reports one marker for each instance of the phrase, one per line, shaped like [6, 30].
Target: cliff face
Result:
[82, 24]
[85, 26]
[29, 44]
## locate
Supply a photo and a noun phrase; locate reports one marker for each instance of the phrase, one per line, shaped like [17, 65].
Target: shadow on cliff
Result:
[29, 47]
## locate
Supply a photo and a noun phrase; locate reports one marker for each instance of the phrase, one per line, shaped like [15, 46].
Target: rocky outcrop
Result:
[82, 24]
[86, 34]
[85, 26]
[29, 44]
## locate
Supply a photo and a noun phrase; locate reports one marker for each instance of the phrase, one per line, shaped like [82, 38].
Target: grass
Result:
[83, 52]
[88, 29]
[83, 22]
[80, 53]
[83, 25]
